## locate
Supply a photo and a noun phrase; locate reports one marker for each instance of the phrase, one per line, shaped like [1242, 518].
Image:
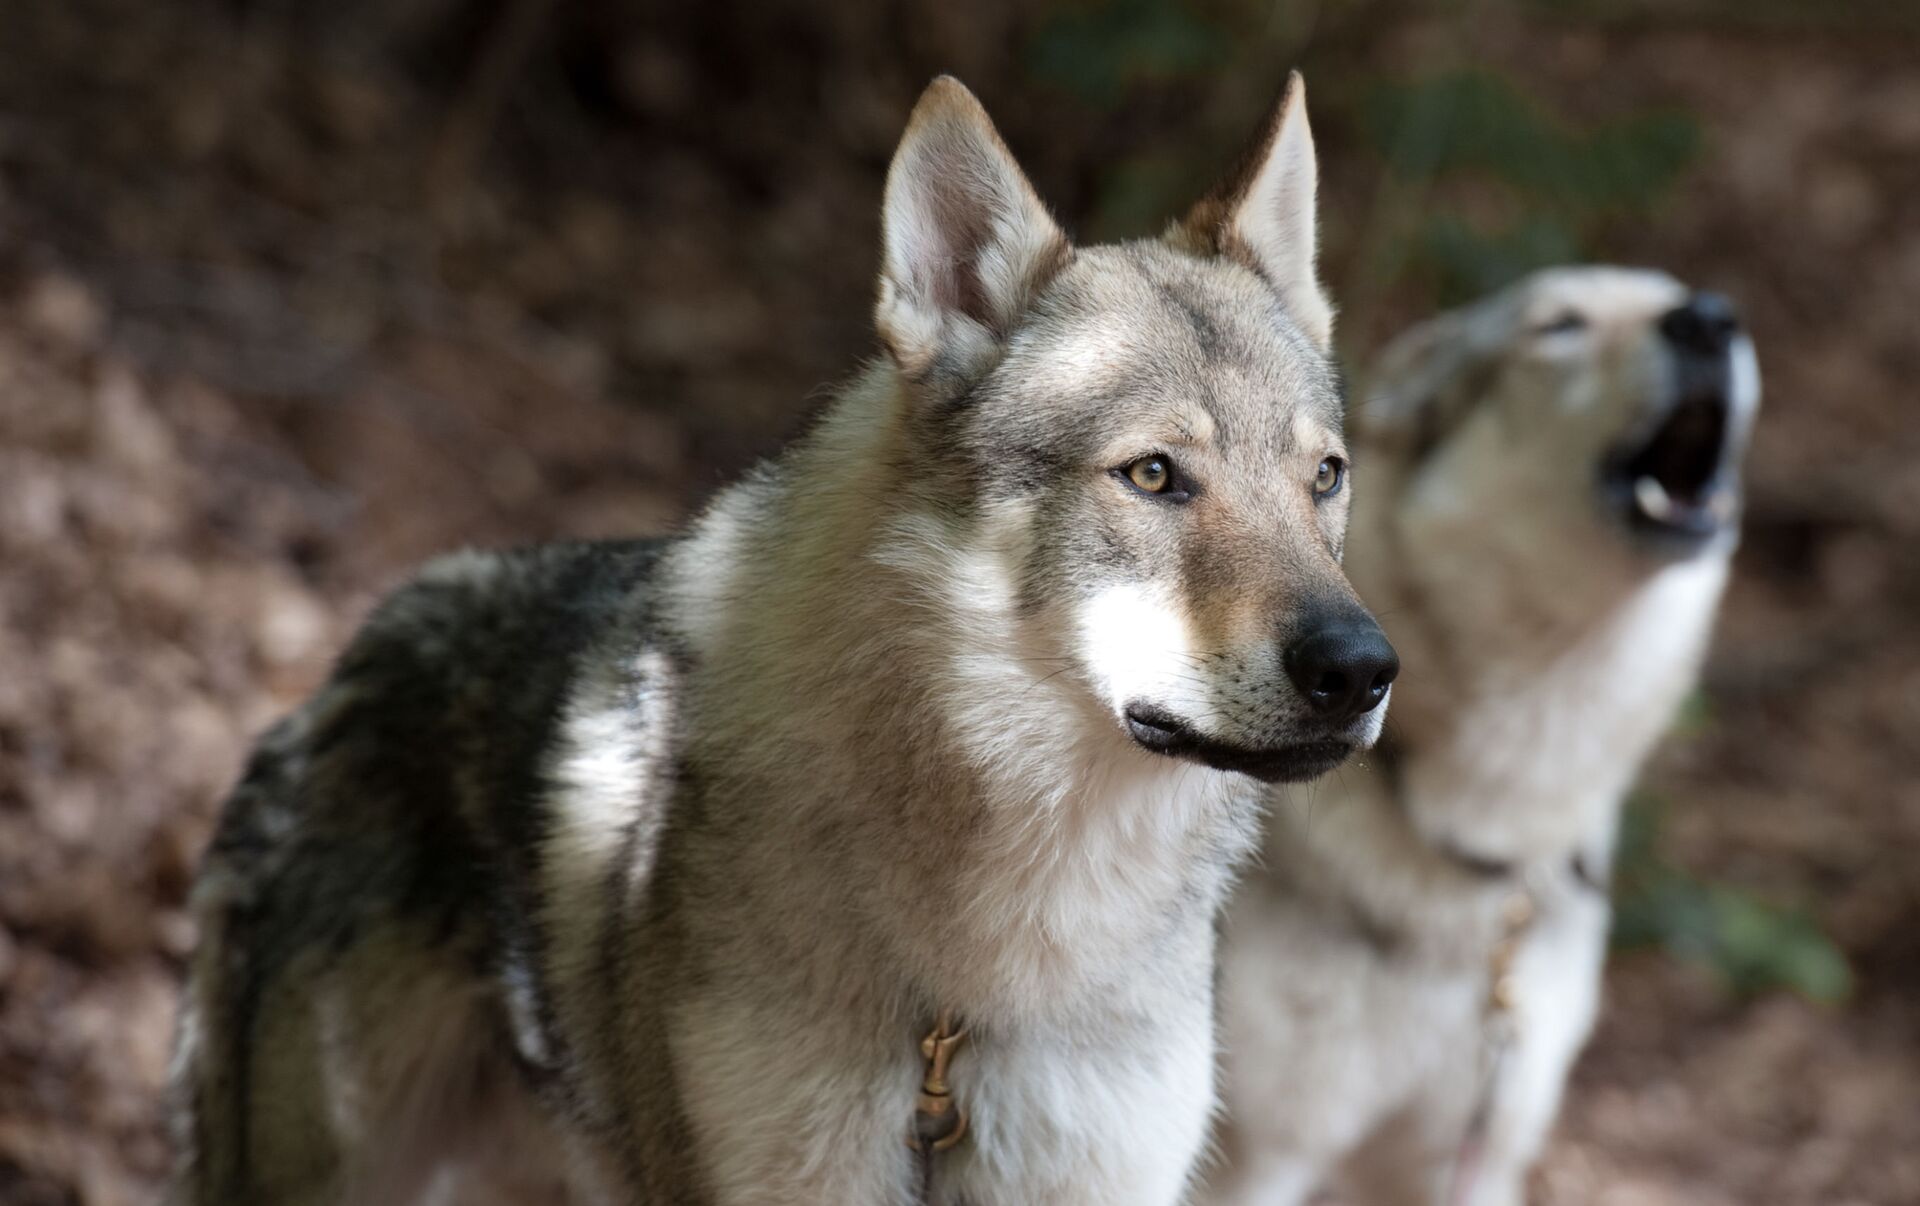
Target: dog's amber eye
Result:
[1153, 474]
[1333, 471]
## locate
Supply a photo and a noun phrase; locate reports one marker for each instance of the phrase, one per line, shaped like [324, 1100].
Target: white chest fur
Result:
[1113, 1114]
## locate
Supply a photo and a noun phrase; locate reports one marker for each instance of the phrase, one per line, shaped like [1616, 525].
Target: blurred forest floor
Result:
[293, 296]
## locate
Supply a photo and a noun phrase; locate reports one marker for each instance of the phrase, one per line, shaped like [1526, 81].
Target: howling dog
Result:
[1552, 505]
[864, 843]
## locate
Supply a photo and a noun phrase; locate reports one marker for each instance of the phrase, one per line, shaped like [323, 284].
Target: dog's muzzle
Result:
[1679, 484]
[1342, 666]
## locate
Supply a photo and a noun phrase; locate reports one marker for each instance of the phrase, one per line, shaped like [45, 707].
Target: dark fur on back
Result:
[411, 787]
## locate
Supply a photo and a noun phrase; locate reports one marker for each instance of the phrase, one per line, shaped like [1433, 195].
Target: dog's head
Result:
[1134, 452]
[1580, 397]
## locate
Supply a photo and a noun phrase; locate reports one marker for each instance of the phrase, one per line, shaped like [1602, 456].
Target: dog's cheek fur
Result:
[1187, 606]
[1102, 569]
[1134, 639]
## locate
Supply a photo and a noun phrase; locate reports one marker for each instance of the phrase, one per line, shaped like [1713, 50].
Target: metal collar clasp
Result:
[938, 1122]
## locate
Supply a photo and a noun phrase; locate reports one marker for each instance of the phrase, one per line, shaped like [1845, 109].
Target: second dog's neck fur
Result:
[970, 814]
[1521, 745]
[1533, 693]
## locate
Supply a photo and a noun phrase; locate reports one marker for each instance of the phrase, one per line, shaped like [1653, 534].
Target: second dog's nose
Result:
[1343, 668]
[1705, 323]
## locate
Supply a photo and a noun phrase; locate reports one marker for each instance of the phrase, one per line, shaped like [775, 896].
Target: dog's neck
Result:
[866, 705]
[1537, 688]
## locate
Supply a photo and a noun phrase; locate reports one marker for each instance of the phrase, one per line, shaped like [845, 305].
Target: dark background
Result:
[293, 294]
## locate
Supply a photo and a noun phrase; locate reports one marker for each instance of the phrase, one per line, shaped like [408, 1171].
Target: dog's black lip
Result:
[1164, 733]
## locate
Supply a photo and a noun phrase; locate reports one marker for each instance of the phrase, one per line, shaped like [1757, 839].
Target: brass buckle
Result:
[938, 1123]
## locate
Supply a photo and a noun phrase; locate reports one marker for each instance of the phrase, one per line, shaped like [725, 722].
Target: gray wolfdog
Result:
[1551, 511]
[864, 843]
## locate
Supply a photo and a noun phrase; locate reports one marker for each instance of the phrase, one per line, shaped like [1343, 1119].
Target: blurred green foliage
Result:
[1752, 945]
[1476, 121]
[1558, 180]
[1467, 262]
[1696, 716]
[1542, 186]
[1097, 53]
[1141, 192]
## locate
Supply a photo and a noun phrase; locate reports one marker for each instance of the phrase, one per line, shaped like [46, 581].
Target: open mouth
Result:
[1680, 483]
[1167, 734]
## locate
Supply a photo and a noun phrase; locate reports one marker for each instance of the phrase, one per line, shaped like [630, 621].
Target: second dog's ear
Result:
[966, 243]
[1264, 214]
[1424, 383]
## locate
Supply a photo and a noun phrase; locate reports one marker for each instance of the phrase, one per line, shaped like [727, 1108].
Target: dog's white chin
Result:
[1371, 725]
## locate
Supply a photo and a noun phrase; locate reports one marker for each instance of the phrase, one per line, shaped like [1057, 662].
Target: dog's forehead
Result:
[1598, 294]
[1145, 324]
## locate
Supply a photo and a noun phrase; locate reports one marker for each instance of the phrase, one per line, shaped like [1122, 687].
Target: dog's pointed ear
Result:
[1423, 383]
[966, 242]
[1265, 214]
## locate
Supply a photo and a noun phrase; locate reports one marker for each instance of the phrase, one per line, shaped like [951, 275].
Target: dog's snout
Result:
[1344, 667]
[1704, 324]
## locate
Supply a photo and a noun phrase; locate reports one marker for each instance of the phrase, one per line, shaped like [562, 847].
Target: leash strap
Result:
[1500, 1025]
[938, 1122]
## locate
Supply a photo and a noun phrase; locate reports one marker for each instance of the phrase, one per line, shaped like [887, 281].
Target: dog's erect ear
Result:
[1424, 382]
[1263, 214]
[965, 241]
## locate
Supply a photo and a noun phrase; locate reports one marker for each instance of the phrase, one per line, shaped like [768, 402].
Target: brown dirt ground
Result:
[248, 375]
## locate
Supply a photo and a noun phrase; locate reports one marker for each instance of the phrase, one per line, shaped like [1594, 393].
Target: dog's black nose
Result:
[1343, 667]
[1704, 324]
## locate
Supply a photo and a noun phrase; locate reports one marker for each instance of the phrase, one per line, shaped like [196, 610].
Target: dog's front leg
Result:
[1558, 984]
[794, 1106]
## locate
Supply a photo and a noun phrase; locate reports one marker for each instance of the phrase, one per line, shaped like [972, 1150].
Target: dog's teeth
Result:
[1653, 498]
